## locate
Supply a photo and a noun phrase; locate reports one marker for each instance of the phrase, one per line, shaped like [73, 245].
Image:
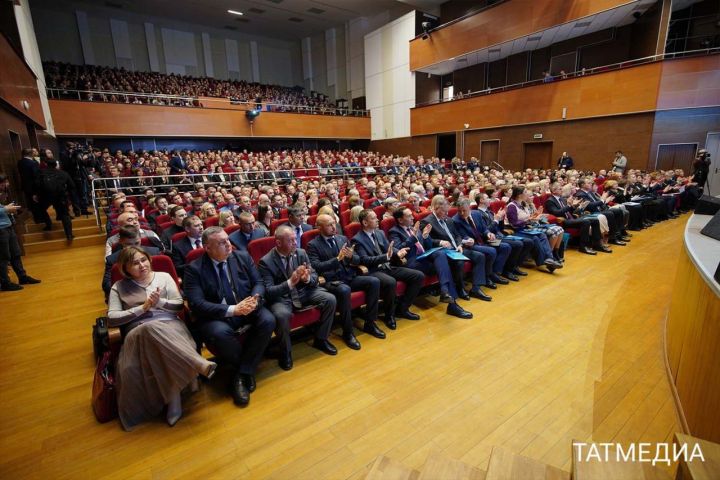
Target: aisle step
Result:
[386, 468]
[439, 466]
[506, 465]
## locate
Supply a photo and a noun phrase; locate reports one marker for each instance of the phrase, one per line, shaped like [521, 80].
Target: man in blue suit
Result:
[181, 248]
[469, 225]
[177, 164]
[407, 235]
[226, 295]
[247, 232]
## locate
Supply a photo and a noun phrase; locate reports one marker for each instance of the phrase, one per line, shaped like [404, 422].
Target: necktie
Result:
[418, 245]
[298, 234]
[447, 231]
[227, 290]
[294, 295]
[198, 243]
[564, 204]
[375, 243]
[333, 246]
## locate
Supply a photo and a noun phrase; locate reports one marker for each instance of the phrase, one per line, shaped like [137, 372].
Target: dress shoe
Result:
[463, 295]
[511, 276]
[445, 298]
[587, 251]
[517, 271]
[210, 372]
[240, 393]
[351, 341]
[407, 314]
[552, 263]
[498, 279]
[627, 234]
[457, 311]
[625, 238]
[603, 248]
[616, 241]
[491, 285]
[325, 346]
[285, 361]
[390, 322]
[10, 287]
[249, 381]
[28, 280]
[372, 329]
[477, 293]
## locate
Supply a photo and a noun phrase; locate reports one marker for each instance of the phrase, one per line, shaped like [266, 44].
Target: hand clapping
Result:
[152, 299]
[246, 306]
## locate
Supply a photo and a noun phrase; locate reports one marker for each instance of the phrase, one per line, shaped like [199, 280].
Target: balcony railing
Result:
[580, 73]
[156, 99]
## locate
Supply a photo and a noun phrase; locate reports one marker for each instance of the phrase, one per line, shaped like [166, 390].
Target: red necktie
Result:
[418, 245]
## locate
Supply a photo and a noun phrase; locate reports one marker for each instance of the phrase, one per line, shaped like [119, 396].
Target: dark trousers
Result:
[615, 221]
[589, 230]
[498, 256]
[388, 284]
[222, 337]
[10, 255]
[437, 264]
[482, 263]
[62, 212]
[309, 297]
[637, 216]
[362, 283]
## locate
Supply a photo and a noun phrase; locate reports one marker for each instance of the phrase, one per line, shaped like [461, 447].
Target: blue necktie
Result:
[227, 290]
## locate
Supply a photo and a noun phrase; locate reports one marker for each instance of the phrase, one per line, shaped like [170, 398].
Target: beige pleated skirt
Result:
[157, 360]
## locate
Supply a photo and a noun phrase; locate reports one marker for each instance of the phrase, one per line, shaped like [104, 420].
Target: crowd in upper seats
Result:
[69, 77]
[256, 253]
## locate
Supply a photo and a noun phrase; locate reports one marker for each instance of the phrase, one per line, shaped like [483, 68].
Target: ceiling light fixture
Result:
[235, 12]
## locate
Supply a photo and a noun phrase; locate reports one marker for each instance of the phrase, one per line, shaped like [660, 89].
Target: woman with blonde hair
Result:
[226, 219]
[158, 358]
[207, 210]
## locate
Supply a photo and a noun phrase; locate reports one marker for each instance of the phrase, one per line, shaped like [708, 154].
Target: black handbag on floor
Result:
[100, 339]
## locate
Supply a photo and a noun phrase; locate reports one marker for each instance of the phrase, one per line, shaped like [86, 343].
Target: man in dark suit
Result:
[407, 235]
[53, 187]
[444, 235]
[161, 205]
[590, 237]
[382, 261]
[177, 164]
[520, 249]
[296, 221]
[226, 296]
[332, 257]
[181, 248]
[598, 204]
[565, 161]
[469, 225]
[292, 284]
[128, 236]
[177, 215]
[247, 232]
[29, 170]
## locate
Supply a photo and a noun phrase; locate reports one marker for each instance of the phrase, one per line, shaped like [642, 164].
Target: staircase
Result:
[84, 228]
[506, 465]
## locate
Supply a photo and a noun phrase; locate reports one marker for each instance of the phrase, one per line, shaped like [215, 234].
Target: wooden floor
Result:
[575, 355]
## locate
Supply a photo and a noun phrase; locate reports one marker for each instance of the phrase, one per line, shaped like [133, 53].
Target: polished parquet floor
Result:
[574, 355]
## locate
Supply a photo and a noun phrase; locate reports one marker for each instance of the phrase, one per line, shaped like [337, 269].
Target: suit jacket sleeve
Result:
[553, 207]
[303, 258]
[435, 241]
[399, 243]
[193, 289]
[366, 258]
[253, 275]
[269, 278]
[318, 264]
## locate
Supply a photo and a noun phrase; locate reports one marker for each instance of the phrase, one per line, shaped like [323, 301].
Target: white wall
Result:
[389, 83]
[108, 36]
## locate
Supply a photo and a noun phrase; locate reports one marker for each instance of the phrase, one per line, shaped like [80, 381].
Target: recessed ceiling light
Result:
[235, 12]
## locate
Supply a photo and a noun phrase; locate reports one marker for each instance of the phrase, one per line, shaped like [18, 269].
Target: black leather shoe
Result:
[249, 382]
[10, 287]
[587, 251]
[372, 329]
[625, 238]
[480, 294]
[491, 285]
[616, 241]
[390, 322]
[552, 263]
[240, 393]
[517, 271]
[285, 361]
[457, 311]
[511, 276]
[407, 314]
[498, 279]
[445, 298]
[325, 346]
[627, 234]
[603, 249]
[27, 280]
[351, 341]
[463, 295]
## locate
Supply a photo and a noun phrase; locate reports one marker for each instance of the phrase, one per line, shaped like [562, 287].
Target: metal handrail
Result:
[231, 179]
[580, 73]
[195, 102]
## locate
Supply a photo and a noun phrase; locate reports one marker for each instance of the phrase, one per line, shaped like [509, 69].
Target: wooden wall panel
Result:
[592, 142]
[690, 82]
[506, 21]
[683, 126]
[611, 93]
[413, 146]
[76, 118]
[18, 83]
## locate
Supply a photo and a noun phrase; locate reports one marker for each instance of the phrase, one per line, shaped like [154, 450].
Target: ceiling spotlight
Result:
[235, 12]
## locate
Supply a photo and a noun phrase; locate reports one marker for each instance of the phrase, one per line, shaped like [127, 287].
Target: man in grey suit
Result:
[292, 284]
[296, 221]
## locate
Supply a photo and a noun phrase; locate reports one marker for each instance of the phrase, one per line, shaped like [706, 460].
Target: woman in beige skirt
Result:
[158, 358]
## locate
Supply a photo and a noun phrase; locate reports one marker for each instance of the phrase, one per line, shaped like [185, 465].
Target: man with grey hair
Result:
[292, 284]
